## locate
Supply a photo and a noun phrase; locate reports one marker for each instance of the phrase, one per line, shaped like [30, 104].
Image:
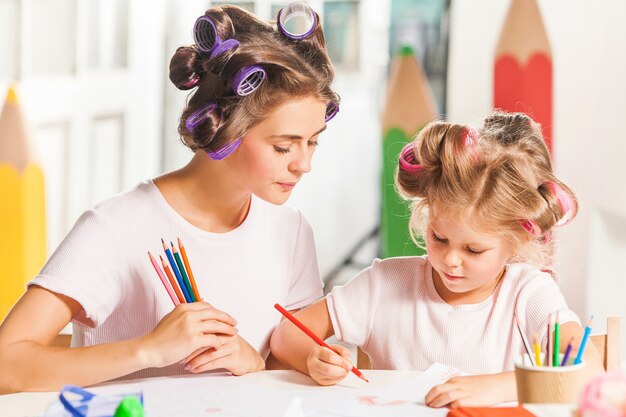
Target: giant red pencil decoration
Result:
[523, 66]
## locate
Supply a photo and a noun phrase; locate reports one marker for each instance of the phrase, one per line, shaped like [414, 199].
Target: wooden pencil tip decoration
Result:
[523, 66]
[22, 211]
[410, 105]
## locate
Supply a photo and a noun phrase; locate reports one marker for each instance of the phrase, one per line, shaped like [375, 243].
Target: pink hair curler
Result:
[565, 201]
[407, 160]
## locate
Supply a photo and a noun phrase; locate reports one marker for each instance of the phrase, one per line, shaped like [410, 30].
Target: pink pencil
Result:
[164, 280]
[550, 344]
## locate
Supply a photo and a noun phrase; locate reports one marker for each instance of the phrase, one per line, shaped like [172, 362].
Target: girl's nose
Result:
[452, 258]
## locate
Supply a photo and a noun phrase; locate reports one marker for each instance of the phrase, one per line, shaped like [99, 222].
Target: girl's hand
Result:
[187, 328]
[473, 391]
[233, 354]
[327, 367]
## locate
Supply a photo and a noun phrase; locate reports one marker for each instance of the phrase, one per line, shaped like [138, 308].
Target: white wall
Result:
[588, 43]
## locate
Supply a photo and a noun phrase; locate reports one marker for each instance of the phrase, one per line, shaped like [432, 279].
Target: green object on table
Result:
[396, 212]
[129, 407]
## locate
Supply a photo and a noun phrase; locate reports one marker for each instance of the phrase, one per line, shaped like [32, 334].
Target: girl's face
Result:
[277, 152]
[467, 263]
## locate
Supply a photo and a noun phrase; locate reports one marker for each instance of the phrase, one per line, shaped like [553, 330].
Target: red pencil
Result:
[166, 268]
[313, 336]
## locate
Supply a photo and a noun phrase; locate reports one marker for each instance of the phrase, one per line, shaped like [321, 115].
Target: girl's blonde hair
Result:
[500, 175]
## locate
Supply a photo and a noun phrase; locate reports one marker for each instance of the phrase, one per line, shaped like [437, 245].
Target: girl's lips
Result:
[452, 277]
[287, 186]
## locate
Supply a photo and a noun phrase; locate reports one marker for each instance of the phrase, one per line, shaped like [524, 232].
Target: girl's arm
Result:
[485, 390]
[28, 363]
[292, 346]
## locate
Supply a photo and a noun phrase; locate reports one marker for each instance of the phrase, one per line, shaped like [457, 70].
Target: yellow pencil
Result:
[537, 351]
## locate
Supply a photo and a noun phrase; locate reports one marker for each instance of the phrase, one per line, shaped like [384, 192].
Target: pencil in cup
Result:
[313, 336]
[166, 283]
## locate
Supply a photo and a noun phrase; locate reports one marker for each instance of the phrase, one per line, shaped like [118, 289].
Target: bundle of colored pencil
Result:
[178, 278]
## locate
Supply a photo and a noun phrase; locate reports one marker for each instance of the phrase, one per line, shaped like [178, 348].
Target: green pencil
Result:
[179, 262]
[557, 342]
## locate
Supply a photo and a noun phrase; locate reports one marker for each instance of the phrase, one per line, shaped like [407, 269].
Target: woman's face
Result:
[277, 152]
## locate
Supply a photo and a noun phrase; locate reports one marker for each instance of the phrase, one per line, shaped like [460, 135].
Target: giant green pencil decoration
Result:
[410, 105]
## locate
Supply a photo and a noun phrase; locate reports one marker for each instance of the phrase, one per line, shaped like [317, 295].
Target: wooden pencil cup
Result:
[547, 384]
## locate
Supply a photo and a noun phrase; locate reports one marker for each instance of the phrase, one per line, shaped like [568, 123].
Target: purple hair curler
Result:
[296, 21]
[248, 79]
[331, 111]
[222, 47]
[205, 34]
[225, 151]
[199, 116]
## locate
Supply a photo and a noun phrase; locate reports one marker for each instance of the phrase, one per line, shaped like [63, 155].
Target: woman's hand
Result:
[234, 354]
[473, 391]
[327, 367]
[186, 329]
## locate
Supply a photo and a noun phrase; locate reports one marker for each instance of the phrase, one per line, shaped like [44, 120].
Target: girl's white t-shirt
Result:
[394, 313]
[103, 264]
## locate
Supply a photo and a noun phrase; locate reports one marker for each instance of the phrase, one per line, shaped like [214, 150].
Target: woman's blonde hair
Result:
[294, 68]
[501, 175]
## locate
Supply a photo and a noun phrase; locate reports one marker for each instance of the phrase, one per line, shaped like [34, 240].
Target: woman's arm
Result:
[28, 363]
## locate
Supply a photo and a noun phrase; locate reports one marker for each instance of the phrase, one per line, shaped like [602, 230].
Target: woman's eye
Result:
[280, 149]
[313, 143]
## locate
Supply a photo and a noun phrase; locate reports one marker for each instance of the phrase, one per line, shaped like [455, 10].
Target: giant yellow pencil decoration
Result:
[22, 206]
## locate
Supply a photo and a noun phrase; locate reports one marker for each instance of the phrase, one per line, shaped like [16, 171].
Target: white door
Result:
[90, 77]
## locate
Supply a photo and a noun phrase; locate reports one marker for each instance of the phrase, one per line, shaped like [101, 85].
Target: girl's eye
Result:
[314, 142]
[474, 252]
[281, 150]
[437, 238]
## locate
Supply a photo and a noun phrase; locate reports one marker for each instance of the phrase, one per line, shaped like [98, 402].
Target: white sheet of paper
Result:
[288, 394]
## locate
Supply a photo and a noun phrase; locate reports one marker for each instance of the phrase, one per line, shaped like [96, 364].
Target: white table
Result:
[34, 404]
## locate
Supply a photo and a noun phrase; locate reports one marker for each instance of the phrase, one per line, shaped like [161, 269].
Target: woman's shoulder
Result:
[134, 199]
[281, 216]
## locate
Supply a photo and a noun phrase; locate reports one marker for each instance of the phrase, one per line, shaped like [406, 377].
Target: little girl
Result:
[485, 203]
[260, 97]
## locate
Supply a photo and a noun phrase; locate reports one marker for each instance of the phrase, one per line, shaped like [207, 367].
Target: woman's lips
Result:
[287, 186]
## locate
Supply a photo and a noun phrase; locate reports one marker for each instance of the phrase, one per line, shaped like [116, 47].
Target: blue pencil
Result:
[583, 343]
[177, 274]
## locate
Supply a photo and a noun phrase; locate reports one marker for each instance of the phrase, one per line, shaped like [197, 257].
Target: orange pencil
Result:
[194, 287]
[313, 336]
[172, 280]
